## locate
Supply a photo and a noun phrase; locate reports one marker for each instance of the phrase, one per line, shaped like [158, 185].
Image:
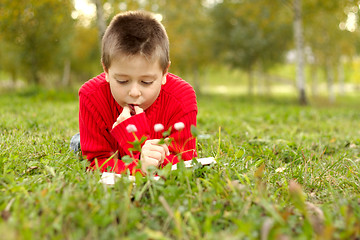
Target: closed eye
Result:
[122, 81]
[147, 82]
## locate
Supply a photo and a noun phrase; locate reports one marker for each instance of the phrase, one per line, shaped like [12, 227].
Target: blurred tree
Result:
[299, 43]
[85, 54]
[100, 19]
[9, 59]
[329, 44]
[187, 30]
[86, 48]
[189, 35]
[40, 30]
[250, 34]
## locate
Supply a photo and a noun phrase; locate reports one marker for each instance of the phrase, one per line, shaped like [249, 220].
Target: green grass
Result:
[284, 171]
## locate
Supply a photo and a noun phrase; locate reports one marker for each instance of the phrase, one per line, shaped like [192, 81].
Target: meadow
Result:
[283, 171]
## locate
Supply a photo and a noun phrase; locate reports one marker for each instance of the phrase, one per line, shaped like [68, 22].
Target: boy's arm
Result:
[96, 141]
[131, 133]
[183, 145]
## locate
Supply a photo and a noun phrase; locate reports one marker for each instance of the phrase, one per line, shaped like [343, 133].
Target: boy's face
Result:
[135, 81]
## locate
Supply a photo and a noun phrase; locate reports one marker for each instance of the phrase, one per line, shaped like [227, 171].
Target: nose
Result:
[134, 91]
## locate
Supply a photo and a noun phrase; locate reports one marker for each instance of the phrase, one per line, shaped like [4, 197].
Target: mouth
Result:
[132, 109]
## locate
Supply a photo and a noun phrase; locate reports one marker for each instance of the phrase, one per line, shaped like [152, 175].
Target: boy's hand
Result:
[126, 113]
[153, 154]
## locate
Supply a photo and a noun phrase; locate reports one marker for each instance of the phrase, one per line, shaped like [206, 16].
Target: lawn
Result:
[284, 172]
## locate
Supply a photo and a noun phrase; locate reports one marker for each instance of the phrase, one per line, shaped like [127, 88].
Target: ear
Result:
[106, 70]
[163, 81]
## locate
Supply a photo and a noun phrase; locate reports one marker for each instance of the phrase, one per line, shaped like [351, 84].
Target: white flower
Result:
[280, 169]
[158, 127]
[131, 128]
[179, 126]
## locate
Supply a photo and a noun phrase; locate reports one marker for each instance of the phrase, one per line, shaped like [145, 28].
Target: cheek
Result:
[154, 93]
[149, 94]
[117, 92]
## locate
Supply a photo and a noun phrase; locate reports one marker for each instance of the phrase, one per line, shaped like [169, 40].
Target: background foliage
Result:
[50, 42]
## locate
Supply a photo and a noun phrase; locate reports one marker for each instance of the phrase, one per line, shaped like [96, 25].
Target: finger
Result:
[151, 161]
[155, 147]
[158, 155]
[146, 155]
[167, 141]
[149, 144]
[155, 151]
[138, 110]
[152, 141]
[161, 162]
[121, 118]
[125, 114]
[155, 142]
[126, 110]
[147, 162]
[165, 147]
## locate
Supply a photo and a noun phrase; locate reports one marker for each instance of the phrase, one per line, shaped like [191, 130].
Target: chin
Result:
[143, 108]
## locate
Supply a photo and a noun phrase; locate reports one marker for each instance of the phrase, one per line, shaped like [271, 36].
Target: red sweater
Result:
[99, 111]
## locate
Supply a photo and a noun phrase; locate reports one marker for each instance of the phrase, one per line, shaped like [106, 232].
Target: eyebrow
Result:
[153, 76]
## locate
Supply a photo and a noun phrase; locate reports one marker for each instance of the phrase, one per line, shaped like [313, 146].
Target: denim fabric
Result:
[75, 143]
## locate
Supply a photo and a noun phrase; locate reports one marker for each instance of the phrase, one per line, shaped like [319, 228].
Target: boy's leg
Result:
[75, 143]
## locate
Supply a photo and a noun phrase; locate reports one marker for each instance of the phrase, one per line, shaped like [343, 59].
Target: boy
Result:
[136, 97]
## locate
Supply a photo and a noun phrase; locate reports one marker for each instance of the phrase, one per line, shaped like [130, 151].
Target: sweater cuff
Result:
[131, 130]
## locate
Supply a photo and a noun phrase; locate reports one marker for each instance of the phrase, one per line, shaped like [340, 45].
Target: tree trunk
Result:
[66, 75]
[341, 77]
[35, 77]
[314, 80]
[299, 43]
[196, 80]
[100, 19]
[330, 82]
[260, 83]
[34, 71]
[267, 84]
[13, 77]
[251, 82]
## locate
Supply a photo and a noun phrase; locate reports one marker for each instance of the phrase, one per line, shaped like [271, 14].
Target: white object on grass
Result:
[203, 161]
[109, 178]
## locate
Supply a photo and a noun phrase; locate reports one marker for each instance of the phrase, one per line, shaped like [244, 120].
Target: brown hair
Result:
[135, 32]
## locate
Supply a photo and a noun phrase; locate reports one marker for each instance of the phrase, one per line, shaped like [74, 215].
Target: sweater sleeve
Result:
[95, 140]
[183, 145]
[127, 138]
